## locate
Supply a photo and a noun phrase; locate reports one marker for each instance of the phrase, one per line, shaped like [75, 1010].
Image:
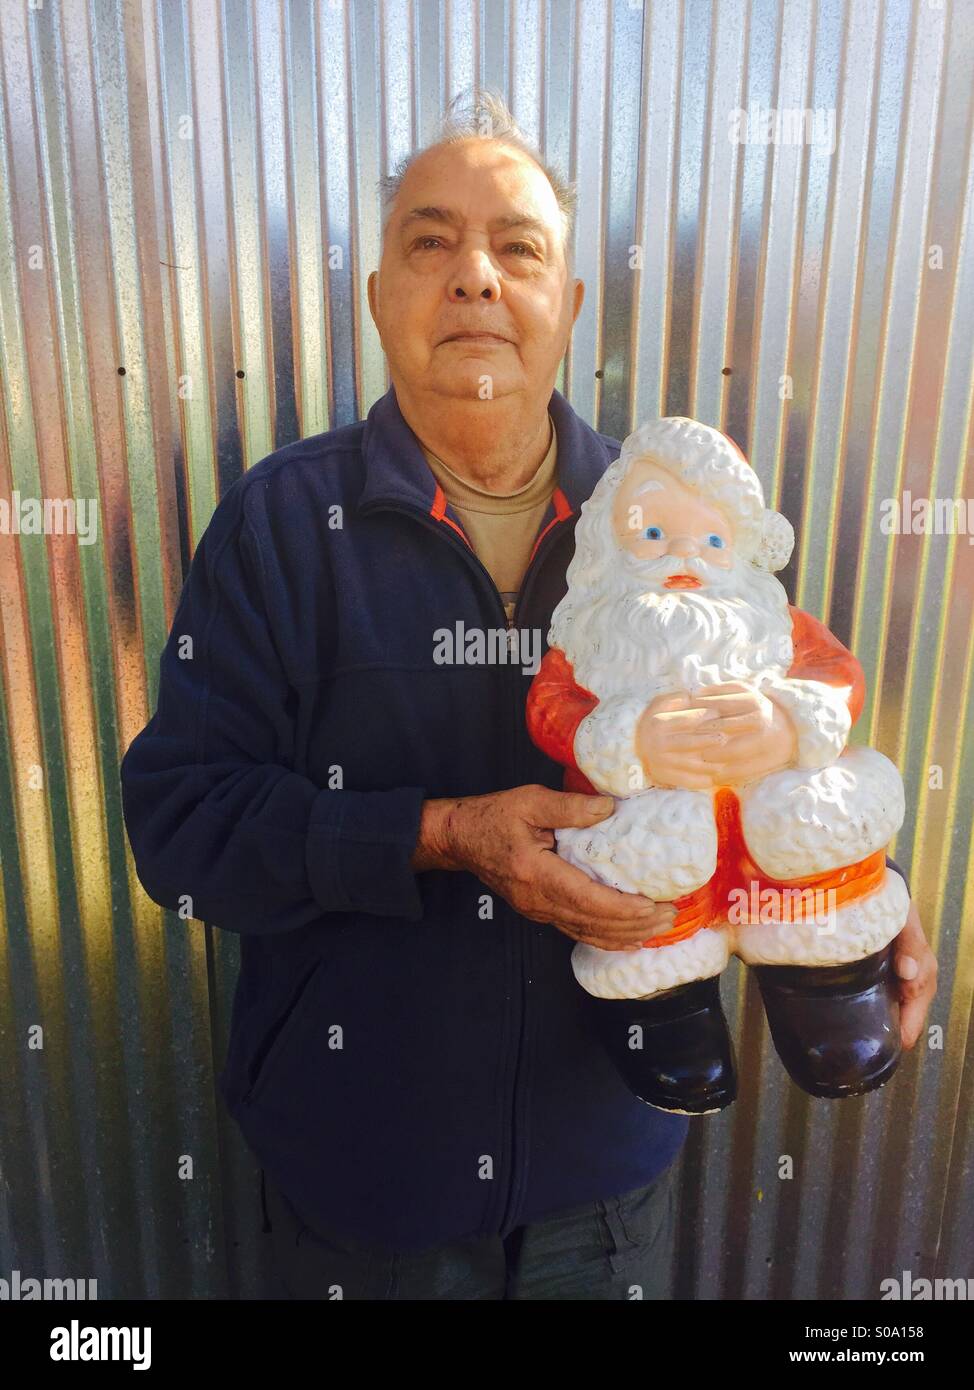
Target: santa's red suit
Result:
[788, 818]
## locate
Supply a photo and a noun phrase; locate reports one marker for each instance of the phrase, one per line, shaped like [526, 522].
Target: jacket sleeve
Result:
[219, 823]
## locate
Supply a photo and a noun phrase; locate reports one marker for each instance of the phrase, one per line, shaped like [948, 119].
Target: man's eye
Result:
[529, 250]
[420, 241]
[653, 533]
[715, 540]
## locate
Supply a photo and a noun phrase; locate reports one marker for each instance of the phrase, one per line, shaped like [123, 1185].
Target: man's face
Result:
[474, 245]
[658, 518]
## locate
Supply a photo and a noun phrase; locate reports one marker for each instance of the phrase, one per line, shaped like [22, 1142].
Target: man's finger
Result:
[907, 967]
[551, 810]
[616, 938]
[576, 897]
[916, 968]
[912, 940]
[912, 1014]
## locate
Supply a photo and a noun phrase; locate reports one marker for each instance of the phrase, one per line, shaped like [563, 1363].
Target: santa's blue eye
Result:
[653, 533]
[715, 540]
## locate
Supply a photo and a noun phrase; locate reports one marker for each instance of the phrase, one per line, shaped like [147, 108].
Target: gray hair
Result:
[486, 116]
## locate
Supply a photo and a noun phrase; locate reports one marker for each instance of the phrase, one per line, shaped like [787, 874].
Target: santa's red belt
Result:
[736, 872]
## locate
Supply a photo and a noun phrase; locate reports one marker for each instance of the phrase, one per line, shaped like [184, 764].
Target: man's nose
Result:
[683, 546]
[475, 279]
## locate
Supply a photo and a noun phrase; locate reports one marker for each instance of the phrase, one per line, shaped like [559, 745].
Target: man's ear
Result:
[579, 296]
[371, 286]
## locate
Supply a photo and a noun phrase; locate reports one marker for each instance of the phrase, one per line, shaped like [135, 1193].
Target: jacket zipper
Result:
[527, 580]
[470, 555]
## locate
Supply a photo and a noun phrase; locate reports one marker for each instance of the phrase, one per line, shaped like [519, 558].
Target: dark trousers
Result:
[618, 1248]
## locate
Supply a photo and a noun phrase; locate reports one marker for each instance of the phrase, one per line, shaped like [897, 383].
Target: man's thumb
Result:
[578, 808]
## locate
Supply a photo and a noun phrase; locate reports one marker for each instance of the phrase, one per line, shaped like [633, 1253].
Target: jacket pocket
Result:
[635, 1221]
[276, 1039]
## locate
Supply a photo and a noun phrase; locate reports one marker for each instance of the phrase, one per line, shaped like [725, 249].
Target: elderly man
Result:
[358, 797]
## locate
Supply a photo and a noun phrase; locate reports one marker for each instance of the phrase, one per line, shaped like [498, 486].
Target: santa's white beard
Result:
[628, 632]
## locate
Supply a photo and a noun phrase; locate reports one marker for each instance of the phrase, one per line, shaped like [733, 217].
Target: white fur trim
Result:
[661, 842]
[857, 929]
[819, 712]
[798, 822]
[605, 745]
[650, 969]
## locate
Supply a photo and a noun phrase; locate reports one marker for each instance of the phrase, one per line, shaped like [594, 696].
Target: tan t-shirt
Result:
[502, 526]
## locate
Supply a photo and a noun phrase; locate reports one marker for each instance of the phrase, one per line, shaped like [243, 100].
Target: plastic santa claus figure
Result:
[681, 682]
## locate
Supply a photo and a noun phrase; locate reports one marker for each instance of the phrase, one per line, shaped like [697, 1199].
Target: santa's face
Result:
[660, 598]
[656, 517]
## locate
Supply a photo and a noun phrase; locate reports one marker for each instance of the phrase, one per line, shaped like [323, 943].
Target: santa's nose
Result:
[683, 546]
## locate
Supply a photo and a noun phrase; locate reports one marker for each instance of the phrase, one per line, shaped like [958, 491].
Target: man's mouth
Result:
[475, 338]
[682, 581]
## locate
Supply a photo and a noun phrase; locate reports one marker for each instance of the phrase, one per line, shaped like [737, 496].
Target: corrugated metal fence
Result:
[188, 212]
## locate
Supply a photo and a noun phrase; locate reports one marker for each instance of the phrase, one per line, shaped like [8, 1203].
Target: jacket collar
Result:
[396, 470]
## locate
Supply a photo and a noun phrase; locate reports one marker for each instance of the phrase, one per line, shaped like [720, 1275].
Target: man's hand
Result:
[726, 733]
[916, 966]
[506, 839]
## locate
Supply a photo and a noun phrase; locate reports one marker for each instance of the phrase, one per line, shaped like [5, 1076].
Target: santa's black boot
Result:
[673, 1049]
[836, 1028]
